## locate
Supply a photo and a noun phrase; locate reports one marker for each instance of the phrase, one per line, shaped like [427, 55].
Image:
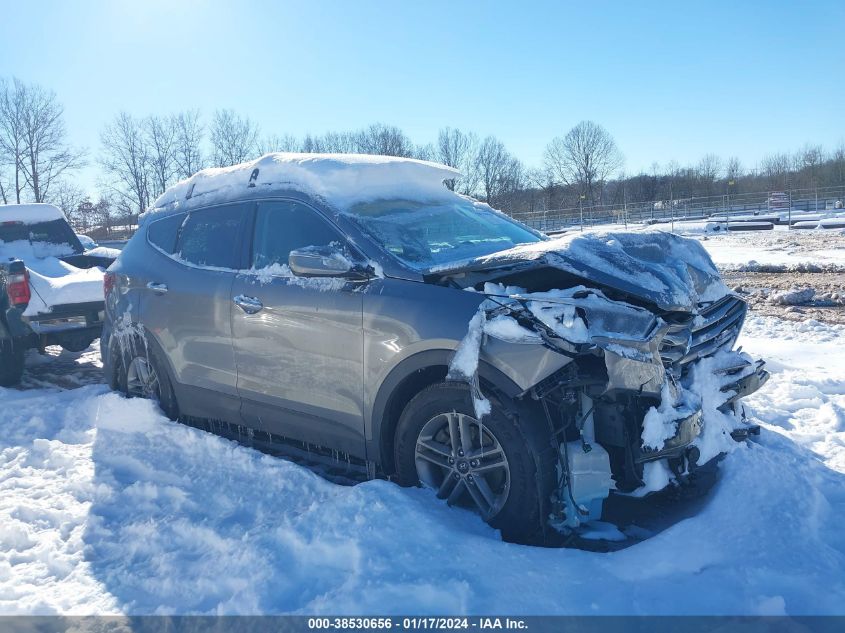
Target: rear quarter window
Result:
[210, 237]
[163, 233]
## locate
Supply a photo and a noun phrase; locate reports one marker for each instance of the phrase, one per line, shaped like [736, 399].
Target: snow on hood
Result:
[30, 213]
[673, 272]
[341, 179]
[52, 281]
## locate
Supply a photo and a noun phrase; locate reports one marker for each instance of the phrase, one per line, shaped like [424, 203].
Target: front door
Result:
[298, 341]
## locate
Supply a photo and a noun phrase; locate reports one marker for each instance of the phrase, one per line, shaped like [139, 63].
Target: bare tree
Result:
[45, 155]
[276, 143]
[234, 139]
[423, 152]
[104, 213]
[708, 170]
[83, 217]
[809, 161]
[499, 172]
[68, 197]
[544, 181]
[458, 149]
[338, 143]
[12, 105]
[585, 157]
[385, 140]
[838, 166]
[733, 169]
[126, 159]
[161, 139]
[187, 153]
[776, 168]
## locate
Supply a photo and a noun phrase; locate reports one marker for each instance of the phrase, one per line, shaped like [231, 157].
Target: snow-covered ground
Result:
[106, 507]
[777, 249]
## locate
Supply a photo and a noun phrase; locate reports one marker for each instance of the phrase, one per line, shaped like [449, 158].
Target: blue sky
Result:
[670, 81]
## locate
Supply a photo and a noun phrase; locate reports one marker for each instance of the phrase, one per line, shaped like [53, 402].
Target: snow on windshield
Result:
[427, 234]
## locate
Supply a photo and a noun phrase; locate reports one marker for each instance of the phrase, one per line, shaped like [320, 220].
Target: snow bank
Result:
[792, 297]
[777, 251]
[342, 179]
[30, 213]
[108, 507]
[808, 405]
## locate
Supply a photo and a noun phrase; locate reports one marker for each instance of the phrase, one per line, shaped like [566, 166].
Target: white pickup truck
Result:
[51, 288]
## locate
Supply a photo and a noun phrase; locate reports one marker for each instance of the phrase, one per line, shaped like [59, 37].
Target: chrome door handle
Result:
[250, 305]
[157, 288]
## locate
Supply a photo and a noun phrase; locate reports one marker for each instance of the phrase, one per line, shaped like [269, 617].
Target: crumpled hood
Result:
[673, 272]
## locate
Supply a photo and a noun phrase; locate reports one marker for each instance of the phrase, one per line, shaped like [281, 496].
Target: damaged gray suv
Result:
[355, 308]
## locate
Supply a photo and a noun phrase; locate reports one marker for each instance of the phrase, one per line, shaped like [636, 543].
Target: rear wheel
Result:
[498, 467]
[142, 375]
[11, 363]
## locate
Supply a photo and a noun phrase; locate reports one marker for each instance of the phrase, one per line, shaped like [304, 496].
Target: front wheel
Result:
[498, 466]
[11, 363]
[142, 375]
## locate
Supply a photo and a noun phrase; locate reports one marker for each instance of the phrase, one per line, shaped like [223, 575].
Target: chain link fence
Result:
[726, 207]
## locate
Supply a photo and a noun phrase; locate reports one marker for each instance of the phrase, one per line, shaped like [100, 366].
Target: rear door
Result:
[299, 346]
[187, 304]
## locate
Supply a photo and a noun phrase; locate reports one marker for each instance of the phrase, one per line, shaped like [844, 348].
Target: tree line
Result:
[139, 157]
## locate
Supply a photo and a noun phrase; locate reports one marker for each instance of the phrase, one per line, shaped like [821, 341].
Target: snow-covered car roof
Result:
[340, 179]
[30, 213]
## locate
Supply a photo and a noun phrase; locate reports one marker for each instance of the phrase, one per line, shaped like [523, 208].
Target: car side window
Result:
[284, 226]
[163, 233]
[209, 237]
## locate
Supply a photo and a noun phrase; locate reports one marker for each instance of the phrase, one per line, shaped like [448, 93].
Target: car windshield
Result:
[427, 235]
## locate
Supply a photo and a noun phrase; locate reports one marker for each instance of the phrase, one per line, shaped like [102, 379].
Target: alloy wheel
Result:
[142, 380]
[462, 460]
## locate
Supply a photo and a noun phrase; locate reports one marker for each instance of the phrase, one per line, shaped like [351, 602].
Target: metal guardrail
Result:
[727, 205]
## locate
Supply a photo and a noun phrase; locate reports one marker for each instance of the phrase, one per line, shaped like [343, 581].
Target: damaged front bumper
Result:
[621, 368]
[739, 378]
[748, 379]
[689, 427]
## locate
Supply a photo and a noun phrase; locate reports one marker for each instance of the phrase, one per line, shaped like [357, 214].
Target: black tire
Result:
[526, 445]
[11, 363]
[163, 394]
